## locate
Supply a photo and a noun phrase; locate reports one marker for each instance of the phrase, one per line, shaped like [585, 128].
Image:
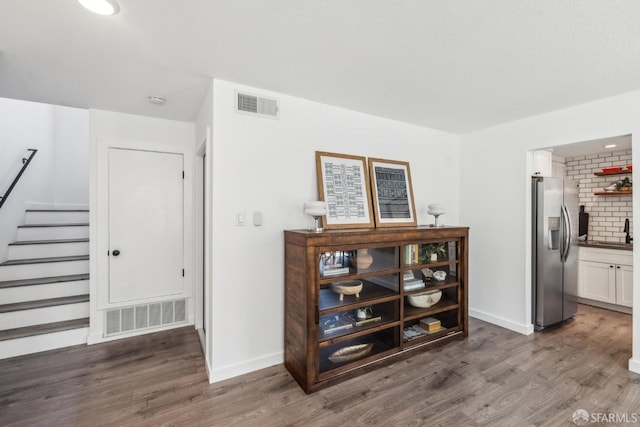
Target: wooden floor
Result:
[494, 378]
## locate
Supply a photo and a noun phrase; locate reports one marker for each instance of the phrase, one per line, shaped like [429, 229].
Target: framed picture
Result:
[344, 185]
[392, 193]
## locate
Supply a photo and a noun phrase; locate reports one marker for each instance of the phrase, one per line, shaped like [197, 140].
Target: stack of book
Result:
[332, 329]
[413, 284]
[344, 322]
[431, 325]
[361, 322]
[411, 254]
[335, 271]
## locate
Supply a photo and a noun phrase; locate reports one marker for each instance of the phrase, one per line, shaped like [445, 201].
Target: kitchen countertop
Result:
[606, 245]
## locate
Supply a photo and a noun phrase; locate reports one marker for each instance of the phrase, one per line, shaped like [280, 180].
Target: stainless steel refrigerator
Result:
[555, 250]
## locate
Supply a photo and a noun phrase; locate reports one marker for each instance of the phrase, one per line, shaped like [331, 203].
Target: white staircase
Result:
[44, 284]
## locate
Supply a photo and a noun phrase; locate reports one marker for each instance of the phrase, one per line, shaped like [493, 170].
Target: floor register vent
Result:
[256, 105]
[145, 316]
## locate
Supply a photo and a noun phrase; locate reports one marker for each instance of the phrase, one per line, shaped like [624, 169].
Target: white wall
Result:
[57, 175]
[71, 157]
[268, 165]
[109, 129]
[495, 199]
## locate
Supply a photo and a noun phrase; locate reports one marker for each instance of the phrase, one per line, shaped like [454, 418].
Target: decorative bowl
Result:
[630, 167]
[425, 299]
[612, 169]
[351, 352]
[348, 287]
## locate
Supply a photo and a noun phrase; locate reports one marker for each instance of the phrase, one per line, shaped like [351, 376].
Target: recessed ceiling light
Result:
[610, 146]
[158, 100]
[101, 7]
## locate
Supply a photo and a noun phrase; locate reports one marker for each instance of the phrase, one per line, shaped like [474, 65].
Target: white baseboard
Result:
[230, 371]
[520, 328]
[634, 365]
[600, 304]
[38, 205]
[97, 338]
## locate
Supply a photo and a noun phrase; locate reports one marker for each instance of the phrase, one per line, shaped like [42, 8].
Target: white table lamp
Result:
[436, 209]
[317, 210]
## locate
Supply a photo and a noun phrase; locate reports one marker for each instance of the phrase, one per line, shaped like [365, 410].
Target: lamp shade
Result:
[315, 208]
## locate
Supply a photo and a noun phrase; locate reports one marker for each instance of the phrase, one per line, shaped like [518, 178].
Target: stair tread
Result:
[45, 328]
[78, 224]
[52, 302]
[45, 260]
[57, 210]
[45, 242]
[43, 280]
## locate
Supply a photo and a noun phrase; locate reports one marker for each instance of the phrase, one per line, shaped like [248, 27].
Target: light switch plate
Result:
[241, 219]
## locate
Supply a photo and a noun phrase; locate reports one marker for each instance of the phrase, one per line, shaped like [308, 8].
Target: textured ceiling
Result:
[455, 65]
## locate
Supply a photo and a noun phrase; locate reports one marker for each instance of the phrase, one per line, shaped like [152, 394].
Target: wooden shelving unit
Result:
[613, 193]
[318, 325]
[621, 172]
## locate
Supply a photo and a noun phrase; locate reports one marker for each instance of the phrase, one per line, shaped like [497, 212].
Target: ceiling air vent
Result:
[256, 105]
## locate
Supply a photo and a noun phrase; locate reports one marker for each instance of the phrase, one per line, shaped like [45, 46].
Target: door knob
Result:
[116, 252]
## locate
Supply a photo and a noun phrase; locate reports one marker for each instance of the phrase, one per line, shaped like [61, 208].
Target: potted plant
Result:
[364, 312]
[431, 251]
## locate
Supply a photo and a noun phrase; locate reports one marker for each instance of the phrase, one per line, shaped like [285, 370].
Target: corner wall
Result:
[496, 166]
[268, 165]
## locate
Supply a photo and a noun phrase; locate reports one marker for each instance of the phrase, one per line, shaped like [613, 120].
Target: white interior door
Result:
[146, 253]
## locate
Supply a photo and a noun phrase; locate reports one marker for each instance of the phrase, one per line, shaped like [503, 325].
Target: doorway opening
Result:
[603, 170]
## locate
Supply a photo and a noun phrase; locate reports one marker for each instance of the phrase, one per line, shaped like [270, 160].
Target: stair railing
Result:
[25, 164]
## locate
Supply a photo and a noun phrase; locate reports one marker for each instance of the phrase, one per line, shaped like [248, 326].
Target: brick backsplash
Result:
[606, 213]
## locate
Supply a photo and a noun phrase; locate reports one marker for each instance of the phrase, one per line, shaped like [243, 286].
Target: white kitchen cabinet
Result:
[624, 285]
[542, 160]
[597, 281]
[605, 275]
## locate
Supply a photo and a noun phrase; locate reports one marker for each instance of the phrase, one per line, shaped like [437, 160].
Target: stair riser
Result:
[48, 250]
[46, 291]
[38, 343]
[53, 233]
[45, 269]
[37, 316]
[56, 217]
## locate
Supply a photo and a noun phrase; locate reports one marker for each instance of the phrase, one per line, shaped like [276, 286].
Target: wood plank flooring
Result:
[493, 378]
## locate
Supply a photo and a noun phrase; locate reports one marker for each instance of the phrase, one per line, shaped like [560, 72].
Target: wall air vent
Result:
[256, 105]
[145, 316]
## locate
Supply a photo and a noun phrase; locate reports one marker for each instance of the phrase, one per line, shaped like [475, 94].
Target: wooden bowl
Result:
[349, 287]
[425, 299]
[351, 352]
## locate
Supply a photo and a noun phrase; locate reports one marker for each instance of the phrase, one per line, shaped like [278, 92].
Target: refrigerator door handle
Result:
[566, 222]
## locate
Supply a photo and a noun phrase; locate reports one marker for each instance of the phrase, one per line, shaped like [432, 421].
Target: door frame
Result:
[203, 242]
[199, 250]
[99, 230]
